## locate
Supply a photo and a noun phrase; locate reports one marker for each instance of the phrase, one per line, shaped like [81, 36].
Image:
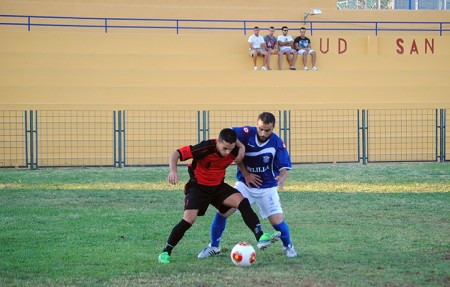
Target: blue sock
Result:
[285, 235]
[217, 227]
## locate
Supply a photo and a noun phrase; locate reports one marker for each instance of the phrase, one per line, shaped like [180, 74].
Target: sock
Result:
[175, 236]
[285, 234]
[250, 218]
[217, 227]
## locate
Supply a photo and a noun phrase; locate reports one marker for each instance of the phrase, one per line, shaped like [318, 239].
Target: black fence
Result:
[32, 139]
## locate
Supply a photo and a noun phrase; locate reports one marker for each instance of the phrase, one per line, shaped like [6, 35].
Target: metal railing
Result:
[177, 25]
[394, 4]
[35, 139]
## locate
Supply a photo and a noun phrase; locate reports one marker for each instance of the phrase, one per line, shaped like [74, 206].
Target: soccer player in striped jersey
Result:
[206, 186]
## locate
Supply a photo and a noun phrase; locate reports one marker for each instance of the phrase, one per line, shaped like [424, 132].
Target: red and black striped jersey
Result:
[208, 167]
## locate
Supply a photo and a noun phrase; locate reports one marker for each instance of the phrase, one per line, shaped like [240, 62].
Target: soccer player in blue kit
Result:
[262, 172]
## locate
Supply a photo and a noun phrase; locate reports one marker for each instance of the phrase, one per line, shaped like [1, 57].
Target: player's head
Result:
[264, 126]
[256, 30]
[285, 30]
[227, 141]
[271, 30]
[302, 31]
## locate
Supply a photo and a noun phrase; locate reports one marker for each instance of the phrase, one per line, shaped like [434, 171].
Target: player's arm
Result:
[283, 164]
[280, 43]
[241, 152]
[173, 176]
[264, 47]
[281, 178]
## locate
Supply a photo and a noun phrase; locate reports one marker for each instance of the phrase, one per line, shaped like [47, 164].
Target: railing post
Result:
[202, 125]
[376, 28]
[363, 128]
[30, 164]
[31, 149]
[119, 130]
[280, 126]
[442, 133]
[119, 138]
[205, 125]
[284, 131]
[36, 139]
[358, 129]
[106, 25]
[437, 137]
[177, 25]
[124, 129]
[29, 23]
[245, 27]
[25, 114]
[114, 139]
[199, 129]
[287, 129]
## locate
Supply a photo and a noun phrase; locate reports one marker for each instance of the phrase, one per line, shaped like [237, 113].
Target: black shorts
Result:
[200, 197]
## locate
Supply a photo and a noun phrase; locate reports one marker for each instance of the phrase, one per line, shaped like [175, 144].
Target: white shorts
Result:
[290, 50]
[267, 199]
[301, 51]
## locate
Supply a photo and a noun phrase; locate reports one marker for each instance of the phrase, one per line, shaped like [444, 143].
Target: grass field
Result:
[353, 225]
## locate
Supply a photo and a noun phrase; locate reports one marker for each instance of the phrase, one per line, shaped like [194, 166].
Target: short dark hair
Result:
[267, 118]
[256, 27]
[228, 135]
[271, 27]
[303, 28]
[282, 28]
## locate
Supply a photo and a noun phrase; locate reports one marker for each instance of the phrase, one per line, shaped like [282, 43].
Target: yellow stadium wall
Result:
[96, 70]
[68, 70]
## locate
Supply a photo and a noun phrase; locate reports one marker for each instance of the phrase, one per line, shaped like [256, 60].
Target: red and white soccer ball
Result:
[243, 254]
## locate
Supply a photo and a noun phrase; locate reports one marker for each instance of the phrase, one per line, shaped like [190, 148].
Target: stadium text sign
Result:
[364, 45]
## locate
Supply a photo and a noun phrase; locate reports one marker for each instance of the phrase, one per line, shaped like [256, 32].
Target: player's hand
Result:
[253, 180]
[280, 182]
[173, 177]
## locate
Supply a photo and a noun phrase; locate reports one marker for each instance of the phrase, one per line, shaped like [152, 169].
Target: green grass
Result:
[375, 225]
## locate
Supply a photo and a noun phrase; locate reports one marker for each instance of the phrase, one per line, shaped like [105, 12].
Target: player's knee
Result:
[189, 219]
[244, 204]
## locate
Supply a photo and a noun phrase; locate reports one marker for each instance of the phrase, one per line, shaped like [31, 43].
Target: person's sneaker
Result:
[263, 68]
[270, 68]
[293, 68]
[208, 251]
[305, 68]
[267, 238]
[289, 251]
[314, 68]
[164, 258]
[255, 68]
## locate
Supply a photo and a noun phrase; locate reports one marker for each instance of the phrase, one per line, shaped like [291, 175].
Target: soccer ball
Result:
[243, 254]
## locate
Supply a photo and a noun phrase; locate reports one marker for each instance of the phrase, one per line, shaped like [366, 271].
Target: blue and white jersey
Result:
[265, 160]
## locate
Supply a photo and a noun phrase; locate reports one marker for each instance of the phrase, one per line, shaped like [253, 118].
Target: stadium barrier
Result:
[32, 139]
[177, 26]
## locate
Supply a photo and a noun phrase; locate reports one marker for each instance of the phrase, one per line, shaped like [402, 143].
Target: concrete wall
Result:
[64, 72]
[96, 70]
